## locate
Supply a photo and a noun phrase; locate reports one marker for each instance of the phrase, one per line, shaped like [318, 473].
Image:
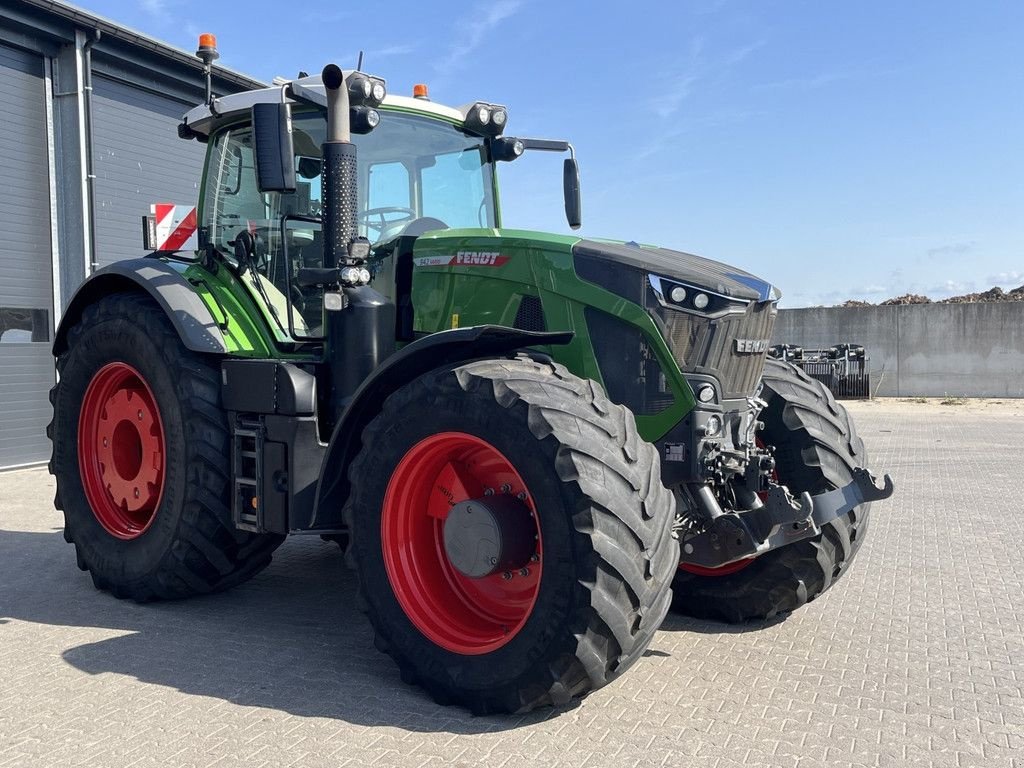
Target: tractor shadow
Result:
[291, 639]
[675, 622]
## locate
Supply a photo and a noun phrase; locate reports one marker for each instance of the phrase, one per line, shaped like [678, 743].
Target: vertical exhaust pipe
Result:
[360, 323]
[339, 174]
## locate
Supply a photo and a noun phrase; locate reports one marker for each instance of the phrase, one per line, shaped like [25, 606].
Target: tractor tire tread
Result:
[207, 554]
[624, 511]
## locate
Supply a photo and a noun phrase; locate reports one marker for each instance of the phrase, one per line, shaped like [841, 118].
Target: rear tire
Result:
[600, 586]
[166, 533]
[817, 449]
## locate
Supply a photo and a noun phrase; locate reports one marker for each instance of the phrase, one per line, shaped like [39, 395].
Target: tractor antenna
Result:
[359, 63]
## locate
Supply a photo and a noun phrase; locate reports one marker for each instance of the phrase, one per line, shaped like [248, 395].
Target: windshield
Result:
[409, 167]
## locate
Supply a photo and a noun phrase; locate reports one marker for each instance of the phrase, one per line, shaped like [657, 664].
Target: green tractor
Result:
[524, 442]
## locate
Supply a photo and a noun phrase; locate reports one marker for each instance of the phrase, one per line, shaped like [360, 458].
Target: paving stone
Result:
[916, 658]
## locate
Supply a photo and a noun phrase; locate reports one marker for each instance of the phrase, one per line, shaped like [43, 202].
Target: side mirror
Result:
[273, 147]
[571, 191]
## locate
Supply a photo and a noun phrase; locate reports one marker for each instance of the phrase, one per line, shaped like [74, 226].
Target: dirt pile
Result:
[992, 294]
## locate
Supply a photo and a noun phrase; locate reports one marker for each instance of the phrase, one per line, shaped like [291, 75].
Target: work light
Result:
[363, 119]
[486, 119]
[365, 90]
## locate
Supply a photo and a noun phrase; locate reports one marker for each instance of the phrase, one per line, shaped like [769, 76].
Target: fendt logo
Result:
[480, 258]
[751, 346]
[464, 259]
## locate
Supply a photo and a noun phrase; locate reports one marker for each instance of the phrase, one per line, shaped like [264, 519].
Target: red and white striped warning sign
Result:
[174, 226]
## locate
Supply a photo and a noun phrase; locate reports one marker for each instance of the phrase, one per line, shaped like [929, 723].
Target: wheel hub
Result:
[487, 535]
[455, 503]
[121, 454]
[129, 451]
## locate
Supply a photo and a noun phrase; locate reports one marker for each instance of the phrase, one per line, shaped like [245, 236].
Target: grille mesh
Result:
[530, 315]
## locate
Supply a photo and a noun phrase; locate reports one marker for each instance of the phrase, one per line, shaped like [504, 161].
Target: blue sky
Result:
[840, 150]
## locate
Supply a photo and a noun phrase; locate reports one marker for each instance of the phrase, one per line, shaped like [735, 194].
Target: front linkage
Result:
[778, 521]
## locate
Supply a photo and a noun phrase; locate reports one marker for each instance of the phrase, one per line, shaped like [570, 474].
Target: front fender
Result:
[192, 320]
[444, 348]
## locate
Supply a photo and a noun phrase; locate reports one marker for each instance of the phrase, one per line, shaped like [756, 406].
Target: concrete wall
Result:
[963, 350]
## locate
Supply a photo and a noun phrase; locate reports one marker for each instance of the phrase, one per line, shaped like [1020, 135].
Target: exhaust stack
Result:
[339, 172]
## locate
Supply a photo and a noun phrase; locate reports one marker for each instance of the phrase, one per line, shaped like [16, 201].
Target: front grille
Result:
[699, 344]
[739, 372]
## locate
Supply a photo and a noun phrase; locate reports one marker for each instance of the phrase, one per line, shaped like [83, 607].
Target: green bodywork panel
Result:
[245, 323]
[500, 267]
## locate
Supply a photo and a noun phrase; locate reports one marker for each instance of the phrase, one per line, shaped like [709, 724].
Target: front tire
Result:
[587, 602]
[141, 459]
[817, 449]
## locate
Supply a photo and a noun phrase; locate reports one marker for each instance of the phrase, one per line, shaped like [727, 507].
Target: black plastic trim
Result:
[268, 387]
[192, 320]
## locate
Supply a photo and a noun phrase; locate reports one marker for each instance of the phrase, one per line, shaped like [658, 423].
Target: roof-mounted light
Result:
[364, 90]
[486, 119]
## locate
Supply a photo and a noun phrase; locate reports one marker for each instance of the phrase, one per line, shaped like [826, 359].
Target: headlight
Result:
[700, 301]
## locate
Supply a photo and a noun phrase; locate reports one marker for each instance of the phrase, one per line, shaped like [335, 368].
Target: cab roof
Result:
[205, 119]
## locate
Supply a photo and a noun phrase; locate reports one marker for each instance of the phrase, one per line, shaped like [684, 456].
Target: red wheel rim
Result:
[460, 614]
[121, 455]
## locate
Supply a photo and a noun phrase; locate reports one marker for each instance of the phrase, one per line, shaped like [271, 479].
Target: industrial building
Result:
[88, 142]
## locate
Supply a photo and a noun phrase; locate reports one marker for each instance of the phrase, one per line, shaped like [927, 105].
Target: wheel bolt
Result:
[507, 575]
[494, 561]
[136, 493]
[521, 495]
[506, 488]
[140, 415]
[524, 571]
[488, 491]
[105, 442]
[534, 558]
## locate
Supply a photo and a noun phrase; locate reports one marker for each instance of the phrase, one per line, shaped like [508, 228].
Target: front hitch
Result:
[780, 520]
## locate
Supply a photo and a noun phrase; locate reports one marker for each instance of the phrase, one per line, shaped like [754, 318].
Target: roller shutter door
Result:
[26, 272]
[138, 160]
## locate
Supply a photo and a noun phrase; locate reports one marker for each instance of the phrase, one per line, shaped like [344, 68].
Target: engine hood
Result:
[685, 267]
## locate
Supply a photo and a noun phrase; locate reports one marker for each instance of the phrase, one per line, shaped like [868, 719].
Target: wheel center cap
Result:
[487, 535]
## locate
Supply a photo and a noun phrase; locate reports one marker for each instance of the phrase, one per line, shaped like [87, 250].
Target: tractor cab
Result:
[421, 167]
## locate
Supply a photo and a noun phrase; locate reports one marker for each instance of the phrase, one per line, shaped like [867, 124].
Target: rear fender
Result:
[438, 350]
[192, 320]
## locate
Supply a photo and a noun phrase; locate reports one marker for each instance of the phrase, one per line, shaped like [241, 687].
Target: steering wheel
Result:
[384, 223]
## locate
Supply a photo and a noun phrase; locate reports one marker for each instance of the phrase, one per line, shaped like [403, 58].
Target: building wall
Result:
[930, 350]
[26, 287]
[48, 205]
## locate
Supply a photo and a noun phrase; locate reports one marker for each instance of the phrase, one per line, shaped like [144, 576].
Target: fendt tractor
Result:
[524, 442]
